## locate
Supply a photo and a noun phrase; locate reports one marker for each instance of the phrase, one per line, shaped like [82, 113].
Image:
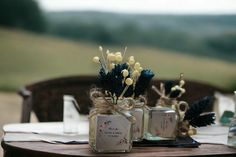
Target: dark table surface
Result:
[43, 149]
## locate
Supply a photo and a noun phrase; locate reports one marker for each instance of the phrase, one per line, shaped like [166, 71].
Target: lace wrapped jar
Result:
[111, 125]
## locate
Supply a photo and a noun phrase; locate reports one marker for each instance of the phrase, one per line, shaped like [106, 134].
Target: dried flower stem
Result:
[123, 92]
[124, 51]
[156, 90]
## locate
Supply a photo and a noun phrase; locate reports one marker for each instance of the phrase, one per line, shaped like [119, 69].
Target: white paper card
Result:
[112, 133]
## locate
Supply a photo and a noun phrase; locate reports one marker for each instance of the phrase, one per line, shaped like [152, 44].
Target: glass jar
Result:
[232, 133]
[232, 128]
[71, 116]
[161, 124]
[138, 128]
[110, 131]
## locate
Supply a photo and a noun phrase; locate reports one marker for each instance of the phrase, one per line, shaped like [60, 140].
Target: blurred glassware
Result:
[232, 129]
[71, 116]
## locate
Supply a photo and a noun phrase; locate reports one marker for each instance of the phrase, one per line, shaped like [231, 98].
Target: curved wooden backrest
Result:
[46, 98]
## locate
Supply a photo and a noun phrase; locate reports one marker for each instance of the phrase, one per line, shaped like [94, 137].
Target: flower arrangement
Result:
[121, 82]
[189, 115]
[121, 79]
[169, 92]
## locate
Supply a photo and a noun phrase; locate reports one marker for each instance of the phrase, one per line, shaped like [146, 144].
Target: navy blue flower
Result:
[143, 82]
[113, 81]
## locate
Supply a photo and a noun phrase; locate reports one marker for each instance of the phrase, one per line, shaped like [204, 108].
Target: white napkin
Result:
[214, 134]
[50, 132]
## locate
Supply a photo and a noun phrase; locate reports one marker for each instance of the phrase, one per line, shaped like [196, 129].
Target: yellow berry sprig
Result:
[180, 86]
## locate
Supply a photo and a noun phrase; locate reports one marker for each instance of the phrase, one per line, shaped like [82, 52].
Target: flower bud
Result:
[111, 57]
[107, 52]
[183, 90]
[129, 81]
[118, 53]
[181, 83]
[100, 48]
[125, 73]
[140, 69]
[135, 73]
[131, 60]
[96, 59]
[112, 65]
[173, 89]
[137, 66]
[177, 87]
[119, 58]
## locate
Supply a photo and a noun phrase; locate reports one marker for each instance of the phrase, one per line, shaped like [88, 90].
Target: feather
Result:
[198, 107]
[203, 120]
[143, 82]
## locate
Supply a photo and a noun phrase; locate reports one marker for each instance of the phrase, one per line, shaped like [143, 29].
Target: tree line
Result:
[23, 14]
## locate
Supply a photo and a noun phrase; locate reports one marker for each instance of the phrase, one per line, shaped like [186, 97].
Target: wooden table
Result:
[43, 149]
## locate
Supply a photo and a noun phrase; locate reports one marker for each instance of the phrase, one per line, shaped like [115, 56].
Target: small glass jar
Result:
[109, 131]
[232, 133]
[232, 128]
[138, 127]
[161, 124]
[71, 116]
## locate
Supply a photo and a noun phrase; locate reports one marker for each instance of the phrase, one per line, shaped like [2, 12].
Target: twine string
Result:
[104, 105]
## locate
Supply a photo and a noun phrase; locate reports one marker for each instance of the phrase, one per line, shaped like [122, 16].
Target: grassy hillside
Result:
[27, 57]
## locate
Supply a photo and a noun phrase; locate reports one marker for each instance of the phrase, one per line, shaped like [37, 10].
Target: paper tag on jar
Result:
[162, 123]
[113, 133]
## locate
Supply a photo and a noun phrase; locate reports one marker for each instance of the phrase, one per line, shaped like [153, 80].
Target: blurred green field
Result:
[27, 57]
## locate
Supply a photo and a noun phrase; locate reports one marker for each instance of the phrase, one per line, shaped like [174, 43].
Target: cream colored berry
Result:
[181, 83]
[135, 73]
[96, 59]
[183, 90]
[131, 61]
[118, 53]
[173, 89]
[112, 65]
[119, 58]
[100, 48]
[125, 73]
[111, 57]
[137, 66]
[177, 87]
[140, 69]
[129, 81]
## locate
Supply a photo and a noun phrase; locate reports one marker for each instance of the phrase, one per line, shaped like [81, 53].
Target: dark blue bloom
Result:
[143, 82]
[112, 81]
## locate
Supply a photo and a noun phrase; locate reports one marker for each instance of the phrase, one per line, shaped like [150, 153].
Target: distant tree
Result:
[24, 14]
[224, 43]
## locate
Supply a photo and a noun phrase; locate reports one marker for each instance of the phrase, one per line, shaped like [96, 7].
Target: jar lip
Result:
[68, 97]
[162, 108]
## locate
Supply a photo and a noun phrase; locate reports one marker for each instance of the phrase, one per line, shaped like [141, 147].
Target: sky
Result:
[143, 6]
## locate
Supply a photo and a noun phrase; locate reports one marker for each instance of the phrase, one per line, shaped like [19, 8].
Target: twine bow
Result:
[103, 105]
